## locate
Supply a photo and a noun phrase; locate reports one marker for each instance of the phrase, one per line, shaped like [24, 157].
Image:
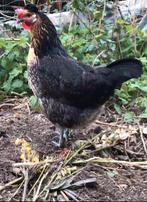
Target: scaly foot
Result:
[61, 138]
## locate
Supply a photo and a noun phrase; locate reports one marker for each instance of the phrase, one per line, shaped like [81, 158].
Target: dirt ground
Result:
[114, 181]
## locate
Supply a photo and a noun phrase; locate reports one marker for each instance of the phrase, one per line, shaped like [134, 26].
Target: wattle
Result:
[26, 26]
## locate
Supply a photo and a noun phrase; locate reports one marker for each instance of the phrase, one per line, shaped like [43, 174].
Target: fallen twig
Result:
[31, 164]
[36, 195]
[71, 194]
[7, 105]
[39, 178]
[107, 160]
[110, 124]
[142, 138]
[26, 175]
[10, 183]
[16, 192]
[64, 196]
[54, 175]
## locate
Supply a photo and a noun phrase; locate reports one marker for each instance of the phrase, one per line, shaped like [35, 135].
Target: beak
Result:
[20, 20]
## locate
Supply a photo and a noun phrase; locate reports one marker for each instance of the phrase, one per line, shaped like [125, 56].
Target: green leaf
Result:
[17, 83]
[33, 100]
[144, 89]
[25, 74]
[7, 85]
[117, 108]
[129, 117]
[34, 104]
[15, 72]
[143, 115]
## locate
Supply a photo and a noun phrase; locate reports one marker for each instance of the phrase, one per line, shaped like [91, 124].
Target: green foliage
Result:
[13, 72]
[34, 104]
[129, 117]
[100, 42]
[103, 43]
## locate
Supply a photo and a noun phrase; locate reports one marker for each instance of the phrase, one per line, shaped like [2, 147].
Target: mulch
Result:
[114, 181]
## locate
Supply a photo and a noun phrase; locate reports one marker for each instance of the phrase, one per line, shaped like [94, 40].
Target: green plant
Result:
[13, 72]
[95, 47]
[100, 42]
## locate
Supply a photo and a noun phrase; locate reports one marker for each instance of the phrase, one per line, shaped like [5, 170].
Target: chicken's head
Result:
[27, 16]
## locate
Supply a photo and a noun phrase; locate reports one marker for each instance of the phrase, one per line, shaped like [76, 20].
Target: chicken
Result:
[69, 93]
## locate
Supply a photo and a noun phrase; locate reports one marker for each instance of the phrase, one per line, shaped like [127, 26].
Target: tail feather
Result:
[125, 69]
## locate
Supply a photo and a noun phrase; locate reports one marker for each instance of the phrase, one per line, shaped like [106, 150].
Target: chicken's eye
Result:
[28, 15]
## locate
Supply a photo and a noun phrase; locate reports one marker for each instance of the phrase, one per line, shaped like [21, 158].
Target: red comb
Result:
[19, 12]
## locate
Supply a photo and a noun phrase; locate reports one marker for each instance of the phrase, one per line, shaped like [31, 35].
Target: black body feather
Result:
[70, 93]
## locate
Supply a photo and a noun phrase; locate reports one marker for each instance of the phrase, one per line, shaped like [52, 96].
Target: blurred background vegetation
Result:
[97, 42]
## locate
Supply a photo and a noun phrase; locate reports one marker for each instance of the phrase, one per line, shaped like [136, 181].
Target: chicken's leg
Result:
[66, 134]
[63, 137]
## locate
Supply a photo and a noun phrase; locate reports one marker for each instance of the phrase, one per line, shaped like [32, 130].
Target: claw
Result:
[57, 144]
[60, 142]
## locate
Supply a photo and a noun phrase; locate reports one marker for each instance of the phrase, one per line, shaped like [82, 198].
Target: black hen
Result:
[70, 93]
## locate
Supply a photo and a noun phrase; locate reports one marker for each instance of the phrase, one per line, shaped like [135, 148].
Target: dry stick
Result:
[9, 99]
[52, 179]
[10, 183]
[17, 94]
[133, 23]
[82, 147]
[71, 21]
[28, 107]
[142, 139]
[46, 195]
[35, 197]
[120, 12]
[7, 105]
[24, 2]
[72, 195]
[97, 57]
[104, 160]
[64, 196]
[142, 46]
[103, 15]
[117, 37]
[75, 154]
[26, 175]
[7, 4]
[6, 16]
[75, 173]
[55, 174]
[31, 164]
[89, 29]
[134, 153]
[112, 125]
[101, 147]
[10, 199]
[37, 179]
[2, 55]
